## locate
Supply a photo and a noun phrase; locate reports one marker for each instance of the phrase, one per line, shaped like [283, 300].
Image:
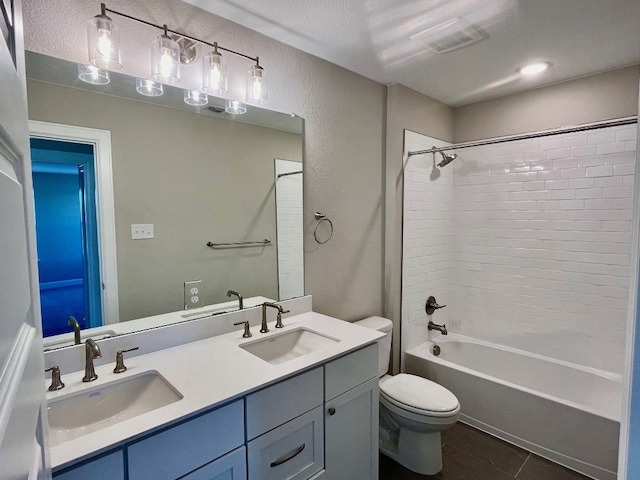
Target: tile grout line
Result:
[522, 466]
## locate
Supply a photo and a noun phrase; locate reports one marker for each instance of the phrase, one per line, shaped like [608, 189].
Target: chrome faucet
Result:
[279, 324]
[233, 292]
[441, 328]
[72, 322]
[92, 351]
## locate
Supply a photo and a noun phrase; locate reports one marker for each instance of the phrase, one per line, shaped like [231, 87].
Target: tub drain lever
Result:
[431, 305]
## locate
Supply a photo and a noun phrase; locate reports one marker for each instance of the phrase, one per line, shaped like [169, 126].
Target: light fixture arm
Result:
[215, 45]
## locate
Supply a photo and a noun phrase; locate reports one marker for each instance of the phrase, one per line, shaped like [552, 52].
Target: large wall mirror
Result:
[192, 175]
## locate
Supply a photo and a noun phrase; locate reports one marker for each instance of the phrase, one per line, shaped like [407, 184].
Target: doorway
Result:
[66, 234]
[100, 227]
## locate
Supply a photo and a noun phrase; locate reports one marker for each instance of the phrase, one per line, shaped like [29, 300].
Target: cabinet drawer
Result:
[294, 451]
[273, 406]
[107, 467]
[350, 371]
[233, 466]
[185, 447]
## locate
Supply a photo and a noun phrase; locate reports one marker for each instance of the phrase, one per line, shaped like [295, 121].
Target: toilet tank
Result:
[385, 326]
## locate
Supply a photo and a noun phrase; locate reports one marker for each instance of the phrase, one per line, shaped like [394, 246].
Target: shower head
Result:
[446, 158]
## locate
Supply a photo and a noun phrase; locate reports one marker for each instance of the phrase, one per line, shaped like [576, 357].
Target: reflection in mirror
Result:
[183, 176]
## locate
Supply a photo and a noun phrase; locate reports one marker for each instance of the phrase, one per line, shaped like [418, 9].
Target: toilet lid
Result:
[417, 393]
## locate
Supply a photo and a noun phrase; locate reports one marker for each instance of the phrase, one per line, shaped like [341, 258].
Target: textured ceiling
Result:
[373, 38]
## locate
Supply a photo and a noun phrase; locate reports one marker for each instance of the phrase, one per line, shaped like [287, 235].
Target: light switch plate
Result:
[193, 294]
[141, 231]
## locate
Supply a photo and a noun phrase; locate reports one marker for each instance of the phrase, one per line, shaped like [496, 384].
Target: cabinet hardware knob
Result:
[332, 410]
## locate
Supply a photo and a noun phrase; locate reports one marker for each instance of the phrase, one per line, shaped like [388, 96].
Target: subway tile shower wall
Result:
[533, 248]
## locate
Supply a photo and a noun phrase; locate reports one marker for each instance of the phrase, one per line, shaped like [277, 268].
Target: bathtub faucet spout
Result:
[441, 328]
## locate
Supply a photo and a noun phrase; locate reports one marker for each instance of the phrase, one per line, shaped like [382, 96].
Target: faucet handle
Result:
[56, 382]
[120, 367]
[247, 332]
[432, 305]
[279, 318]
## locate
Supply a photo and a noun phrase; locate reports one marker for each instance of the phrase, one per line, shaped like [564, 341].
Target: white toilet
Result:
[413, 411]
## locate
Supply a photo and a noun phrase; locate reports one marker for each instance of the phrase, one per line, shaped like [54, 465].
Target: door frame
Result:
[101, 141]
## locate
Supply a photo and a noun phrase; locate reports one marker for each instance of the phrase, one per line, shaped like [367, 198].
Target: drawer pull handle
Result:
[332, 410]
[291, 456]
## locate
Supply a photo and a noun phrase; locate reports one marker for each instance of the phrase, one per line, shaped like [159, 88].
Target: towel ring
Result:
[321, 217]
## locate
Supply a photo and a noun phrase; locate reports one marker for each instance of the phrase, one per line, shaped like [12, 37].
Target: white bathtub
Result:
[562, 411]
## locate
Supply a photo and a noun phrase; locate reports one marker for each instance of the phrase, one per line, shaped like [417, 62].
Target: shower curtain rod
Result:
[289, 173]
[524, 136]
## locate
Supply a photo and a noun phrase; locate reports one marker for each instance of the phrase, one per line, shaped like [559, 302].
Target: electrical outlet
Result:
[141, 231]
[193, 295]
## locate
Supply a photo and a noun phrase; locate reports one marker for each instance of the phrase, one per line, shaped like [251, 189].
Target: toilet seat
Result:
[419, 395]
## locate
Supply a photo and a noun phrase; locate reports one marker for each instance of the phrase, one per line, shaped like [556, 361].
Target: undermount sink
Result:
[90, 410]
[279, 348]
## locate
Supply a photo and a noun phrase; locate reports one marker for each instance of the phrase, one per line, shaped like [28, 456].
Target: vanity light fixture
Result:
[235, 107]
[195, 98]
[103, 38]
[214, 72]
[148, 88]
[534, 68]
[168, 50]
[93, 75]
[257, 84]
[165, 58]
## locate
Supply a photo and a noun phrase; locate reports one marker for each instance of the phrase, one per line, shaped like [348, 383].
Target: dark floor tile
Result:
[485, 447]
[536, 468]
[458, 465]
[391, 470]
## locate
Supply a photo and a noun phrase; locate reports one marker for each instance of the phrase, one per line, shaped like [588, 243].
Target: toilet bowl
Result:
[413, 411]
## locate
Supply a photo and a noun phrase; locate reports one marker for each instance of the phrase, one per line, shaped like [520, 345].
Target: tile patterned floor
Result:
[469, 454]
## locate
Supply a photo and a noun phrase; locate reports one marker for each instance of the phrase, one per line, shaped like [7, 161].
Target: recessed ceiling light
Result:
[533, 68]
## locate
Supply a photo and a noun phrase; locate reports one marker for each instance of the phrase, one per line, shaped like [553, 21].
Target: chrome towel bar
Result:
[262, 243]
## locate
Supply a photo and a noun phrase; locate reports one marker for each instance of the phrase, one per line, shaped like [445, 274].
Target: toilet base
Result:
[419, 452]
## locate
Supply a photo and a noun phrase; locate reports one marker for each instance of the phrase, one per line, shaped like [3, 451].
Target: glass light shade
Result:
[165, 60]
[214, 73]
[93, 75]
[257, 85]
[235, 107]
[103, 41]
[195, 98]
[148, 88]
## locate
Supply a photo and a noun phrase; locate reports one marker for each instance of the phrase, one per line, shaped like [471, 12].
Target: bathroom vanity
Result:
[298, 402]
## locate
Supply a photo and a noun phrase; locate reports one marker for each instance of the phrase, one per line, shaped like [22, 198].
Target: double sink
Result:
[89, 410]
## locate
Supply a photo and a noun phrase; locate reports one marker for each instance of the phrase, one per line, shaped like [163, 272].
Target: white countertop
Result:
[207, 373]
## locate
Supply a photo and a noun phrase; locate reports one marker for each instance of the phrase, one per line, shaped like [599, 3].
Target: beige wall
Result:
[406, 110]
[196, 178]
[598, 97]
[344, 134]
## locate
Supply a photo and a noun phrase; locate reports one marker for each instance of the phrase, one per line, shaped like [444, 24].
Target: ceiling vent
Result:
[448, 36]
